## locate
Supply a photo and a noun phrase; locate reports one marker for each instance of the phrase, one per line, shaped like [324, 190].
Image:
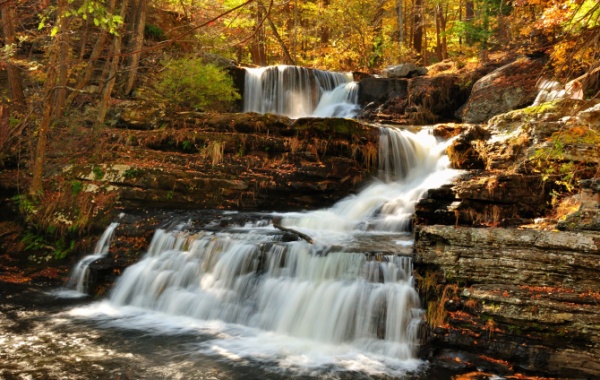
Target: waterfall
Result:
[409, 165]
[79, 278]
[346, 301]
[282, 287]
[299, 92]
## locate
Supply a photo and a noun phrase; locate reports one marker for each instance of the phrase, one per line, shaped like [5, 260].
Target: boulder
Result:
[404, 70]
[508, 88]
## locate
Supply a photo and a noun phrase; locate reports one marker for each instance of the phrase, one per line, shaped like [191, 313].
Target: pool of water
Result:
[45, 337]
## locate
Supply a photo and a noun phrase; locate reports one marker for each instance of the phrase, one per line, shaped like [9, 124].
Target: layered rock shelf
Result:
[527, 297]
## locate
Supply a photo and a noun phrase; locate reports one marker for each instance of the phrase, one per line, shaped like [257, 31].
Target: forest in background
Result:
[60, 57]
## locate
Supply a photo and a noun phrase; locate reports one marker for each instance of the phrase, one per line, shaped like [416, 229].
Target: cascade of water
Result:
[290, 298]
[409, 165]
[79, 278]
[281, 287]
[299, 92]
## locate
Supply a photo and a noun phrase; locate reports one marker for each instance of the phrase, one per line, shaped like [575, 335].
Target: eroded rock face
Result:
[524, 296]
[510, 87]
[226, 161]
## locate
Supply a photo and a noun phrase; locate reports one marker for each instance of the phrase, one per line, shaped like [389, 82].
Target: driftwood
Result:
[297, 233]
[588, 81]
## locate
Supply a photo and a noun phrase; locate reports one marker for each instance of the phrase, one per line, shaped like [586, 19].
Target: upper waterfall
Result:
[300, 92]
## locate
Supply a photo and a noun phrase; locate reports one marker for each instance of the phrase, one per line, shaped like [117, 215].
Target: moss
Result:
[541, 108]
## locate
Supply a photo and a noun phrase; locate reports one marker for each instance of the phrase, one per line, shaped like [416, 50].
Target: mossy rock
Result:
[332, 128]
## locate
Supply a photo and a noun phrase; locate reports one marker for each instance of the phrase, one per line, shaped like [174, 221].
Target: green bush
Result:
[190, 83]
[153, 32]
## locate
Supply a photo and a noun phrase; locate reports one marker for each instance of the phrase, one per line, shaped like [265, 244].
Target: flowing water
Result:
[300, 92]
[252, 300]
[79, 278]
[256, 301]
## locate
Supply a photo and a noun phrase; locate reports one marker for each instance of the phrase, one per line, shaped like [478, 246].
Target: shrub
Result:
[190, 83]
[153, 32]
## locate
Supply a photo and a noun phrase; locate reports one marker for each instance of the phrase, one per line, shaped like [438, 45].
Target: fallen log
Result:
[292, 231]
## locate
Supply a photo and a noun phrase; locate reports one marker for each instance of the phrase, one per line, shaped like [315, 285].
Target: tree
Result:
[15, 84]
[136, 42]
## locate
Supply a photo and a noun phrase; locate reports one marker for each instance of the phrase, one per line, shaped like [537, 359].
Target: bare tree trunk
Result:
[136, 43]
[84, 38]
[63, 59]
[295, 34]
[438, 32]
[5, 130]
[418, 28]
[112, 72]
[85, 77]
[286, 53]
[469, 16]
[36, 187]
[258, 49]
[14, 76]
[399, 13]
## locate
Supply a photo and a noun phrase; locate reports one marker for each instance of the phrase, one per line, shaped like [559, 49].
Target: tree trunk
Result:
[440, 28]
[60, 94]
[469, 16]
[418, 26]
[86, 75]
[258, 48]
[485, 26]
[36, 188]
[377, 22]
[438, 32]
[399, 14]
[112, 72]
[286, 53]
[136, 43]
[15, 84]
[5, 130]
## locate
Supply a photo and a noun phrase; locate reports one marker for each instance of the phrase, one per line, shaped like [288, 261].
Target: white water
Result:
[300, 92]
[294, 305]
[409, 165]
[77, 285]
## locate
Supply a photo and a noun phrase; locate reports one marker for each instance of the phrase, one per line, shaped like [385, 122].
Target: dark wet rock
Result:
[381, 89]
[485, 199]
[463, 152]
[421, 100]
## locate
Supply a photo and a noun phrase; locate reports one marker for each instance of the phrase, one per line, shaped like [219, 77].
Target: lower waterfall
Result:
[346, 302]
